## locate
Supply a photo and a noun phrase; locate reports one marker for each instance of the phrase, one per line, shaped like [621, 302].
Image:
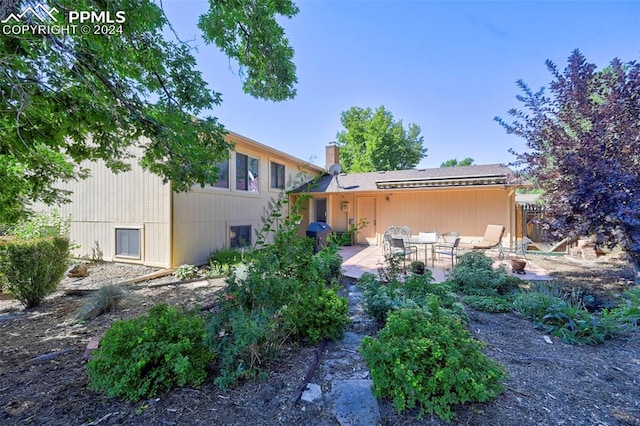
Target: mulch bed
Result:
[43, 381]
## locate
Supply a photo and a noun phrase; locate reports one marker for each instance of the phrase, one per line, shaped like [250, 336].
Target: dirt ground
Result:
[43, 381]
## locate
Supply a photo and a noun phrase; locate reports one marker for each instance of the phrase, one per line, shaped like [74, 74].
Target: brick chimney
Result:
[332, 154]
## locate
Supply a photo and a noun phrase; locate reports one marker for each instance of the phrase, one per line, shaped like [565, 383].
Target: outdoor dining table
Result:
[417, 241]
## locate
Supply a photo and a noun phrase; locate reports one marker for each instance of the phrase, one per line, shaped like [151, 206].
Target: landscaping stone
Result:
[312, 393]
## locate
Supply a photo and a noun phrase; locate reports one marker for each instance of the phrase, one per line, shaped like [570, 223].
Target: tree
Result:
[66, 98]
[584, 140]
[373, 141]
[455, 163]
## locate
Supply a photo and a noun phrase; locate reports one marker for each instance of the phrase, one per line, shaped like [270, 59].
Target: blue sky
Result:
[448, 66]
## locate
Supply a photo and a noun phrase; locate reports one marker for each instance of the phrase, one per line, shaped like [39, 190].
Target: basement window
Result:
[128, 242]
[240, 236]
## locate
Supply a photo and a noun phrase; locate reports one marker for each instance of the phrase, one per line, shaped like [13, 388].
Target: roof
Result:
[480, 175]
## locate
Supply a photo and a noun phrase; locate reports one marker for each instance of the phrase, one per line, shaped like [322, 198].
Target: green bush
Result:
[328, 265]
[41, 225]
[379, 298]
[244, 340]
[535, 304]
[427, 358]
[227, 256]
[563, 315]
[317, 313]
[32, 269]
[474, 275]
[493, 304]
[141, 357]
[417, 267]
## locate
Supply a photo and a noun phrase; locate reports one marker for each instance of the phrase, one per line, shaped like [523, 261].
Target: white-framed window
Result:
[239, 236]
[128, 243]
[223, 175]
[277, 176]
[247, 173]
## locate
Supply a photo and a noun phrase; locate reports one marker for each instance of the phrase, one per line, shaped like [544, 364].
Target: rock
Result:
[312, 393]
[78, 270]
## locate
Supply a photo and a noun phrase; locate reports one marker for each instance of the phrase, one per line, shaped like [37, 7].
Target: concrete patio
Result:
[360, 259]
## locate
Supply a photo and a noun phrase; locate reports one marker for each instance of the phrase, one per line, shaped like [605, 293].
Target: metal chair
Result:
[448, 246]
[396, 243]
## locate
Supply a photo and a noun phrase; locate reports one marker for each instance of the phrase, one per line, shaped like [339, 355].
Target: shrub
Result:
[379, 299]
[141, 357]
[328, 264]
[226, 256]
[417, 267]
[474, 275]
[535, 304]
[493, 304]
[106, 299]
[32, 269]
[186, 272]
[42, 225]
[427, 358]
[317, 313]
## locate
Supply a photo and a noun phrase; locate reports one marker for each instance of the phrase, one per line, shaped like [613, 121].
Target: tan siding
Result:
[202, 217]
[106, 200]
[464, 210]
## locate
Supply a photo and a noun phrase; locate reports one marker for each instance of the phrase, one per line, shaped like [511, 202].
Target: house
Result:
[462, 199]
[133, 217]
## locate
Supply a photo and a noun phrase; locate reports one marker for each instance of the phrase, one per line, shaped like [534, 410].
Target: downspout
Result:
[511, 201]
[171, 247]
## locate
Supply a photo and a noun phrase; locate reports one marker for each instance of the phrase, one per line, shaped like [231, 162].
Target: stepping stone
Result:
[354, 403]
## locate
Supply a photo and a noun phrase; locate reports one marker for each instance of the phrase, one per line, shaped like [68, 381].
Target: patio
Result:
[360, 259]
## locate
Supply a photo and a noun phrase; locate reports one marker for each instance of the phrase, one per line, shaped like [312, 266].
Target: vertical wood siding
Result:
[203, 217]
[464, 210]
[106, 201]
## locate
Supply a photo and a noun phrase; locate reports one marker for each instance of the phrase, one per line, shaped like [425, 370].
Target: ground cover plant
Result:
[561, 315]
[553, 310]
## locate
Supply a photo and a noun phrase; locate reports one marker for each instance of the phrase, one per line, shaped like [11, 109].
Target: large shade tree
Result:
[66, 98]
[374, 141]
[584, 141]
[454, 162]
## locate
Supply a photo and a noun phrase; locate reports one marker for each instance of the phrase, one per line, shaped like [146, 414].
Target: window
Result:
[277, 176]
[223, 175]
[240, 236]
[321, 210]
[128, 242]
[246, 173]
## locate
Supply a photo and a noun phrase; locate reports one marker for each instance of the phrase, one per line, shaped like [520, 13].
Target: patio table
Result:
[426, 243]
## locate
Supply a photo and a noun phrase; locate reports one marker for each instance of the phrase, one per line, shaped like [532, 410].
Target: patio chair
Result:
[448, 246]
[396, 243]
[492, 239]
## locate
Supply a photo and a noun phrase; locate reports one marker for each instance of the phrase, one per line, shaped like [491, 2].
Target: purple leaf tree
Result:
[584, 151]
